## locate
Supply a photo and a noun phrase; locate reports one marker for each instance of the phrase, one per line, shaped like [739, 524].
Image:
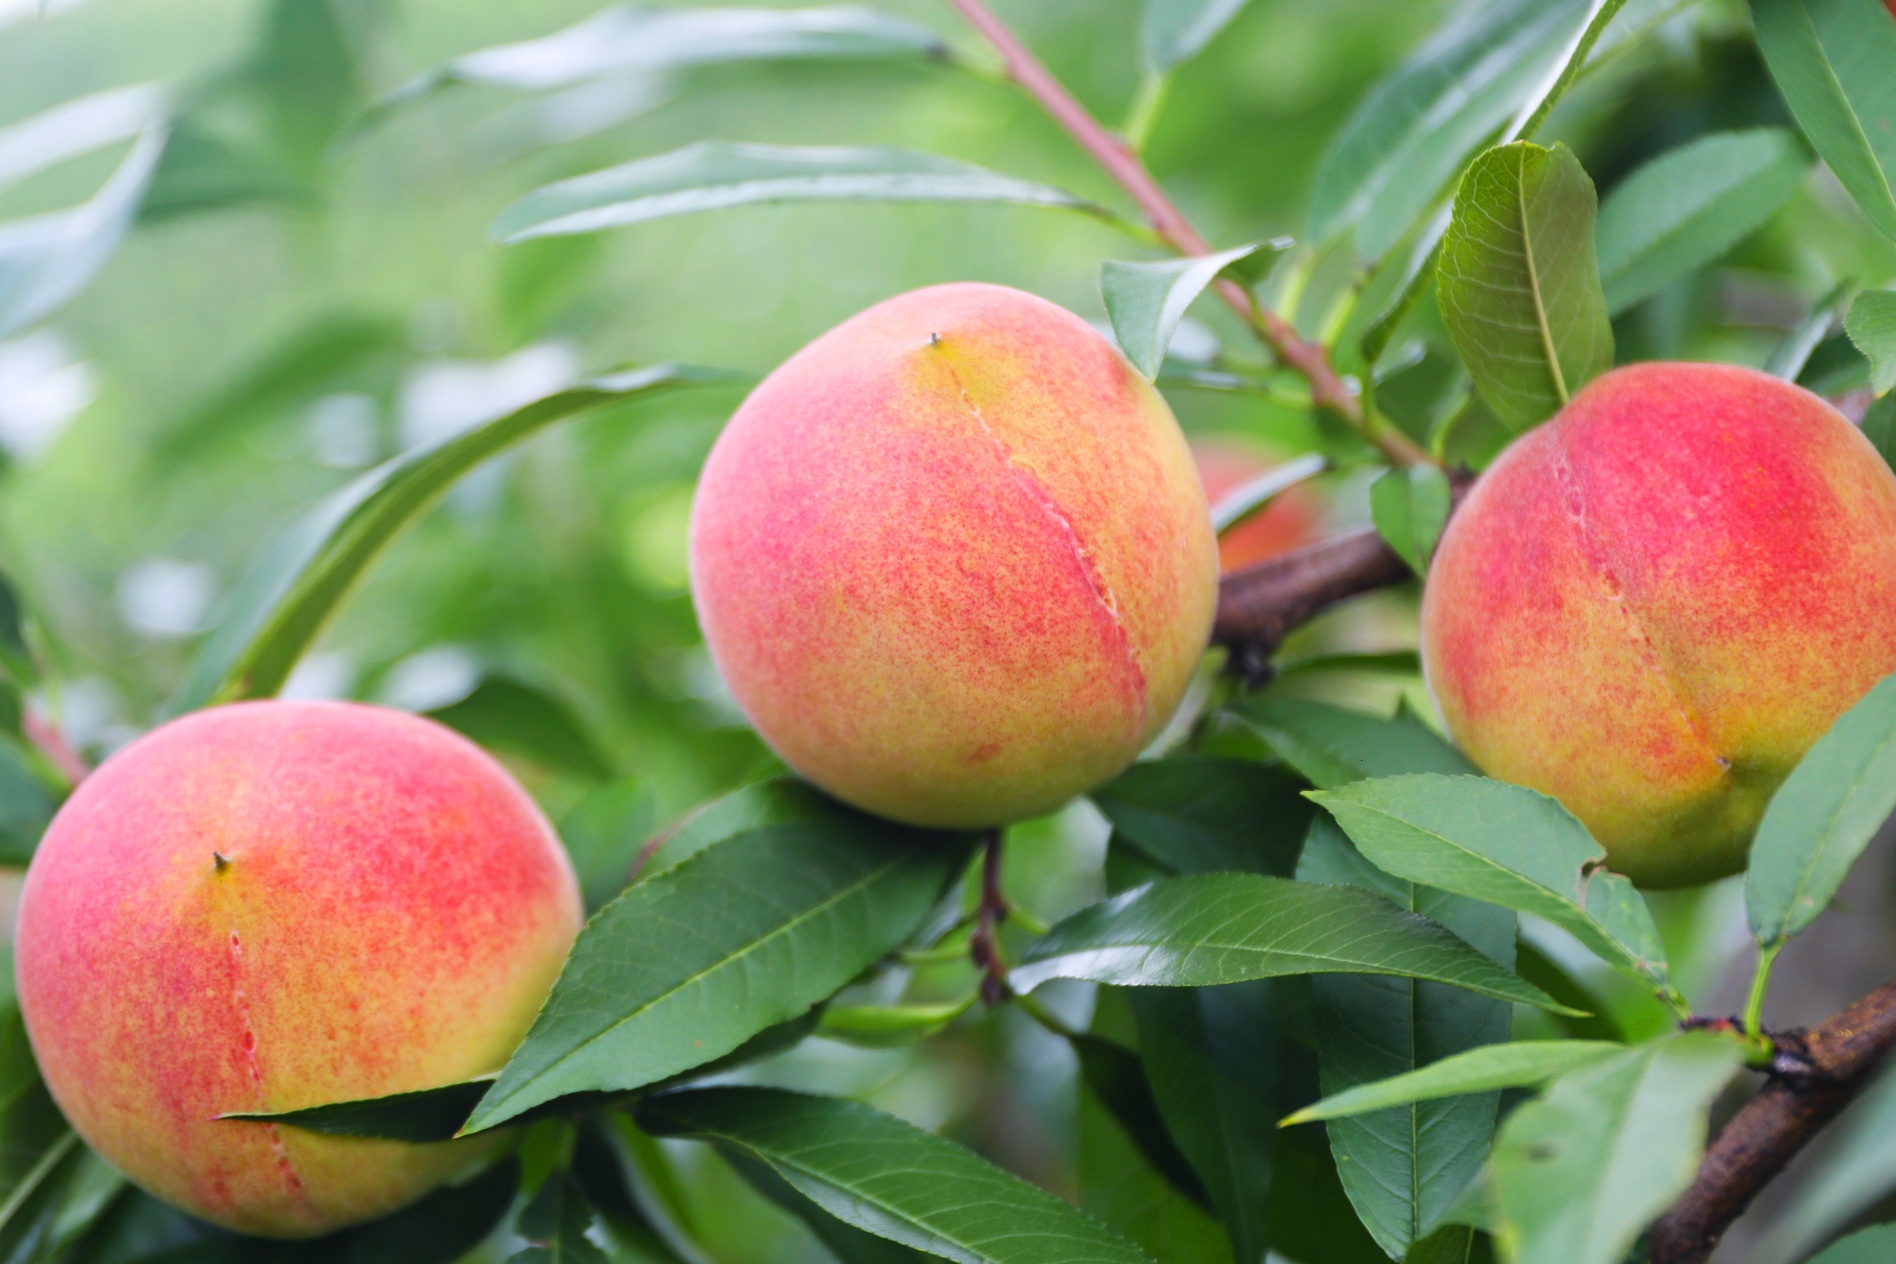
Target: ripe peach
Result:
[275, 905]
[1287, 523]
[1652, 606]
[953, 560]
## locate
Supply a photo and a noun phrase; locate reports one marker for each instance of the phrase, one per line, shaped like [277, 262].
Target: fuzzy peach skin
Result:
[388, 912]
[1652, 606]
[953, 558]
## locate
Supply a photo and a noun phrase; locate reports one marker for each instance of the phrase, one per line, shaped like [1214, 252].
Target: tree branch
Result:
[1117, 160]
[1815, 1074]
[1261, 605]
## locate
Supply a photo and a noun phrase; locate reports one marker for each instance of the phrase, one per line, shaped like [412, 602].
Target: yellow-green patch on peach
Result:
[953, 559]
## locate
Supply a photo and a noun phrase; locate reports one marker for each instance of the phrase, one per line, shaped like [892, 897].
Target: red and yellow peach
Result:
[1652, 606]
[276, 905]
[953, 560]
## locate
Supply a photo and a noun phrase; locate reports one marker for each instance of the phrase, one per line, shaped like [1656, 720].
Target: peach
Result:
[1652, 606]
[275, 905]
[953, 560]
[1288, 522]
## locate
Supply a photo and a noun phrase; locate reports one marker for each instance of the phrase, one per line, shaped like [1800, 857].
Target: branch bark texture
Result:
[1815, 1075]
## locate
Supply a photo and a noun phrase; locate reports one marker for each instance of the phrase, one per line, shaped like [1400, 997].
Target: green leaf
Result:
[1212, 1060]
[750, 932]
[1118, 1079]
[77, 127]
[1871, 325]
[1194, 814]
[1580, 1172]
[26, 809]
[1509, 845]
[889, 1178]
[1518, 284]
[311, 68]
[555, 1223]
[1789, 357]
[1689, 206]
[1145, 301]
[1523, 1064]
[1226, 928]
[45, 260]
[285, 601]
[714, 175]
[1844, 1181]
[888, 1026]
[1175, 31]
[605, 833]
[622, 41]
[1405, 143]
[1410, 509]
[1373, 663]
[511, 715]
[1879, 427]
[845, 1241]
[1822, 818]
[1334, 746]
[1403, 1166]
[1871, 1246]
[37, 1150]
[429, 1114]
[1831, 60]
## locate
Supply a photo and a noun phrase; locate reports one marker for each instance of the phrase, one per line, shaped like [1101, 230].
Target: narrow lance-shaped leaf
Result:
[1518, 283]
[76, 127]
[1410, 509]
[1334, 746]
[290, 595]
[715, 175]
[1145, 301]
[511, 715]
[1822, 818]
[45, 260]
[1175, 31]
[1509, 845]
[750, 932]
[1254, 496]
[889, 1178]
[638, 41]
[1578, 1174]
[1689, 206]
[1226, 928]
[1871, 325]
[1879, 427]
[1523, 1064]
[1403, 1166]
[1118, 1079]
[1403, 145]
[845, 1241]
[1831, 60]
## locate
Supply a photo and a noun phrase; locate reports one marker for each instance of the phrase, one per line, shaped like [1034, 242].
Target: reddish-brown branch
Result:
[1260, 605]
[1815, 1075]
[1117, 160]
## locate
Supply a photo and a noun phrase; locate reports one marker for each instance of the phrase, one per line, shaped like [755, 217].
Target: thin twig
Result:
[1814, 1076]
[985, 945]
[1119, 161]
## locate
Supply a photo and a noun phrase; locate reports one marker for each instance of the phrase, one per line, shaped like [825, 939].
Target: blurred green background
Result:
[235, 362]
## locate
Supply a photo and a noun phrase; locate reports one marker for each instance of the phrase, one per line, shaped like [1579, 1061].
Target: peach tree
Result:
[1382, 958]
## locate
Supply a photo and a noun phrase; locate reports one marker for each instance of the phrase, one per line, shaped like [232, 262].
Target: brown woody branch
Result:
[1261, 605]
[1118, 160]
[1814, 1075]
